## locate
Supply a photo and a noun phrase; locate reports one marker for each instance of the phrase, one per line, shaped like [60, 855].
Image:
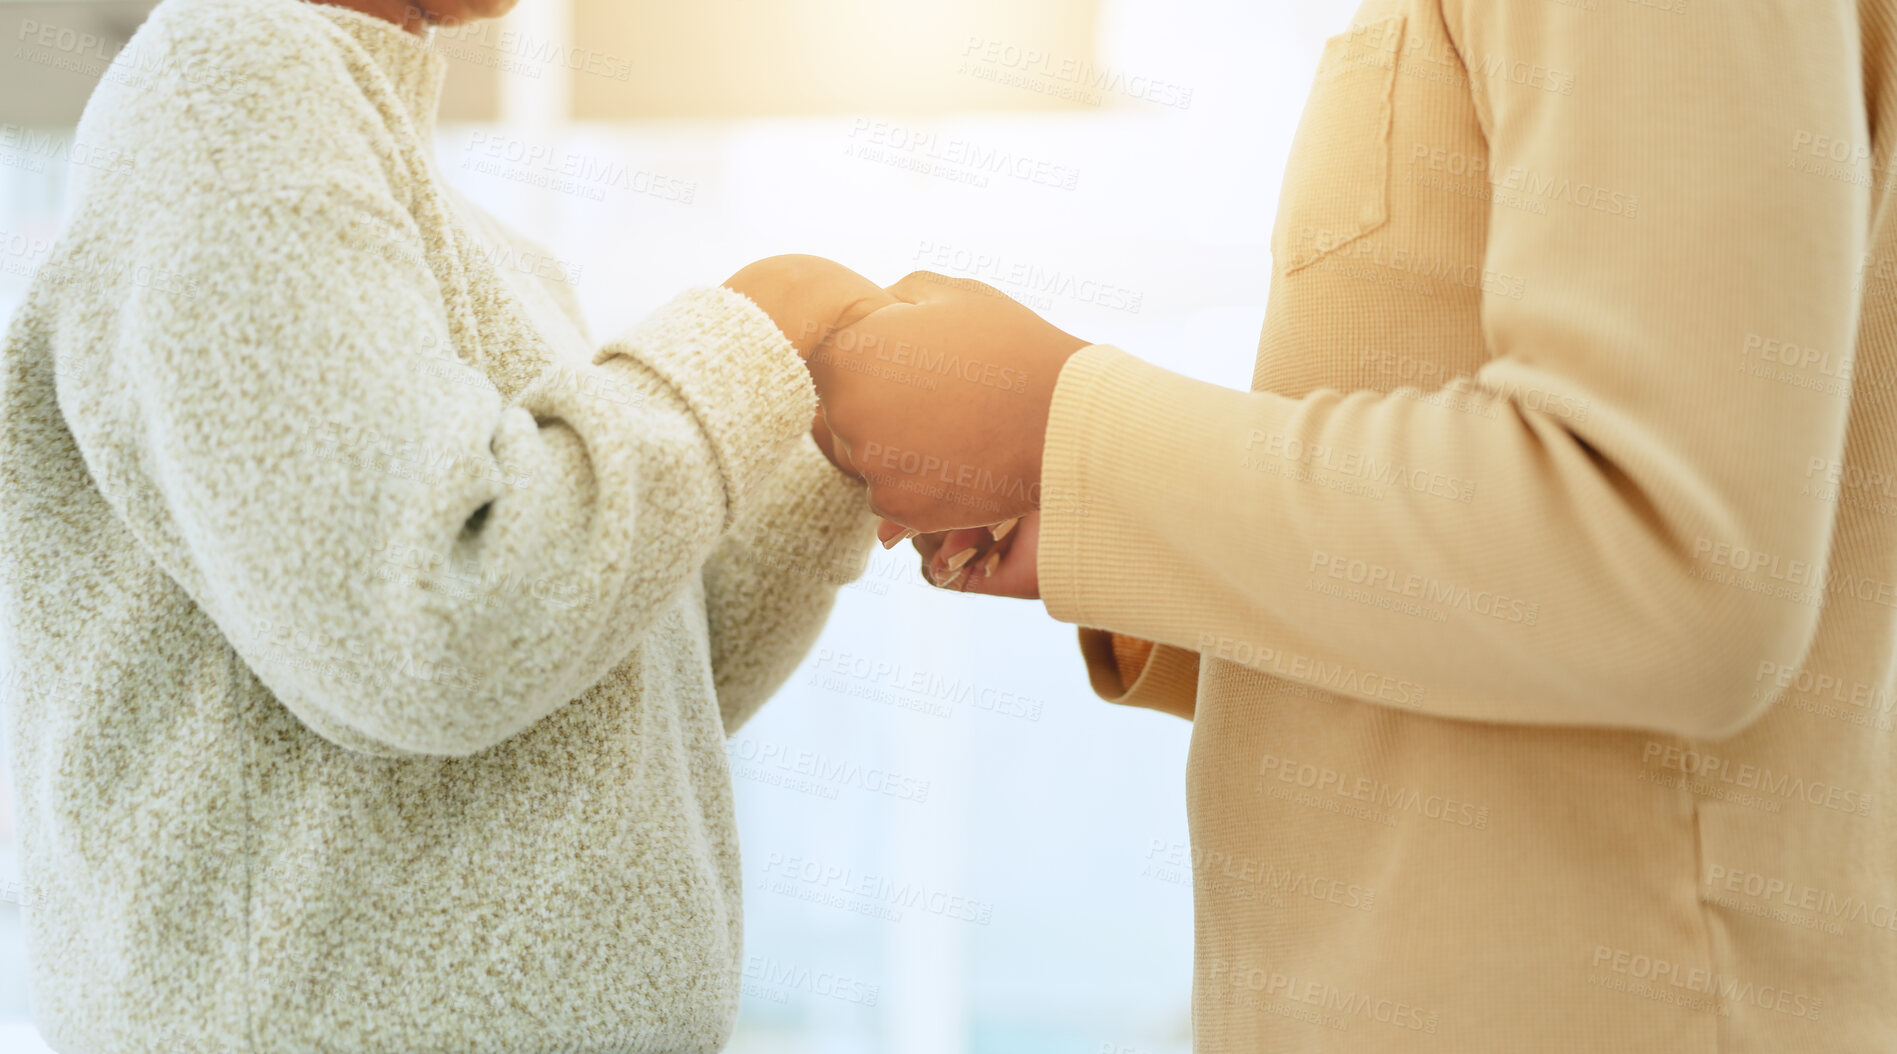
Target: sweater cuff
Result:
[1068, 491]
[817, 519]
[741, 377]
[1169, 681]
[1128, 466]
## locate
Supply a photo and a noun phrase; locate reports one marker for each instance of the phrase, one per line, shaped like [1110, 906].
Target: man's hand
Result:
[998, 560]
[941, 401]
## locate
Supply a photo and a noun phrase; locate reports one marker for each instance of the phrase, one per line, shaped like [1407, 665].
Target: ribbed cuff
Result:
[1133, 491]
[742, 378]
[1066, 500]
[1169, 681]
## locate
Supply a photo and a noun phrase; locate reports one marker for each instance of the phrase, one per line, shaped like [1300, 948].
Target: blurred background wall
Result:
[1112, 163]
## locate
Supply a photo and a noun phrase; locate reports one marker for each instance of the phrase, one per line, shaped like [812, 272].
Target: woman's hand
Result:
[941, 402]
[974, 560]
[809, 297]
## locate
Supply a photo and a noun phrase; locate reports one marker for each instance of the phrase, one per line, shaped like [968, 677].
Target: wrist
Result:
[808, 297]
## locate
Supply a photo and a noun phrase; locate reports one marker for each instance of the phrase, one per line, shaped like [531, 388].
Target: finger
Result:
[928, 545]
[820, 433]
[1006, 569]
[959, 548]
[892, 534]
[843, 451]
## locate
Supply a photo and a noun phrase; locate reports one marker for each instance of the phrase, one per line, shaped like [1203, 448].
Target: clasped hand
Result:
[936, 393]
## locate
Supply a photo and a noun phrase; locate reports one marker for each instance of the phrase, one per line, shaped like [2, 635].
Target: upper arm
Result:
[1679, 229]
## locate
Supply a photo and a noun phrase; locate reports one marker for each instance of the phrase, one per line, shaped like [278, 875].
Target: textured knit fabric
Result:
[1535, 609]
[380, 634]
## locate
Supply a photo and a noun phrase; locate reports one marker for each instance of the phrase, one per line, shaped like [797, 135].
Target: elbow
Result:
[1714, 687]
[386, 739]
[441, 743]
[431, 721]
[446, 732]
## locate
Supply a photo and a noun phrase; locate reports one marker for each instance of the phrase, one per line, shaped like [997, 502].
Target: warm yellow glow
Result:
[723, 58]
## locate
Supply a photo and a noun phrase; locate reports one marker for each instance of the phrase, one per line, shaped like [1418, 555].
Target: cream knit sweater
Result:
[1538, 606]
[379, 636]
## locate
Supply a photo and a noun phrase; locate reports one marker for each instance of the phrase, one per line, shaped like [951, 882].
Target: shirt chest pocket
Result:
[1337, 183]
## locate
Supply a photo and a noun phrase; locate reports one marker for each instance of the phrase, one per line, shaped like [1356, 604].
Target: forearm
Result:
[773, 579]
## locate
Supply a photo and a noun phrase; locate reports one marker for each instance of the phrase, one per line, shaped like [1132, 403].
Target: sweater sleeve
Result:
[412, 563]
[771, 582]
[1628, 566]
[1135, 672]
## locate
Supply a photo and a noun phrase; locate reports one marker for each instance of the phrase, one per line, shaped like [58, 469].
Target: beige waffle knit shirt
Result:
[380, 633]
[1538, 606]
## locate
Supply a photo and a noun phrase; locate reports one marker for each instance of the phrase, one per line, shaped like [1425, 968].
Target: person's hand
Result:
[808, 296]
[997, 560]
[940, 402]
[820, 431]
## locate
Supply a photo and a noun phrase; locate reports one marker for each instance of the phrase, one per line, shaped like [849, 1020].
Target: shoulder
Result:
[237, 49]
[242, 91]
